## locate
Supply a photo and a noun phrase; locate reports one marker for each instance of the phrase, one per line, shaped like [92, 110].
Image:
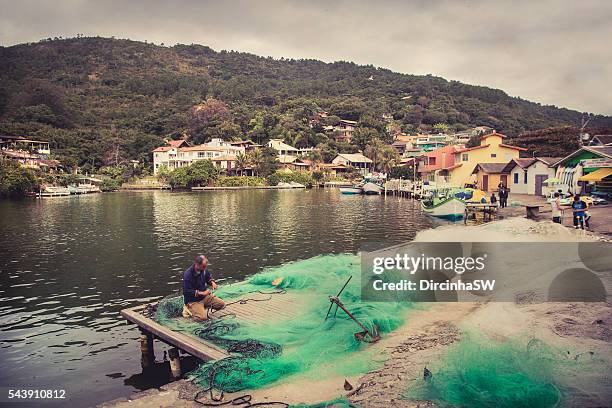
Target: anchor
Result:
[370, 336]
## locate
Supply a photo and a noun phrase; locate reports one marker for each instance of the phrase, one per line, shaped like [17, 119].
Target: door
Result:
[539, 180]
[485, 182]
[504, 179]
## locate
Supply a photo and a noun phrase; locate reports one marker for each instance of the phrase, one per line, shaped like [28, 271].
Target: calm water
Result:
[68, 265]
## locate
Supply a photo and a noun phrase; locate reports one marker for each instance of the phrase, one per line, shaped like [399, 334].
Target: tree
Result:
[242, 162]
[473, 141]
[389, 159]
[374, 151]
[264, 161]
[211, 118]
[15, 181]
[441, 128]
[362, 136]
[163, 174]
[201, 172]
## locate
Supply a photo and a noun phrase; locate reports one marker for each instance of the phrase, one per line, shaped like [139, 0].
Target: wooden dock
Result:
[258, 308]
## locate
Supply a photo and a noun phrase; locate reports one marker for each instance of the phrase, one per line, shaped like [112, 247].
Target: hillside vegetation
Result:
[102, 101]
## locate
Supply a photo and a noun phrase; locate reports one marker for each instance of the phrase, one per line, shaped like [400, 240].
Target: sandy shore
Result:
[403, 354]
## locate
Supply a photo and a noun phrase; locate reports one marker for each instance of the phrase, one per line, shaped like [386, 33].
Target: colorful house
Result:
[528, 176]
[587, 165]
[490, 175]
[491, 150]
[435, 165]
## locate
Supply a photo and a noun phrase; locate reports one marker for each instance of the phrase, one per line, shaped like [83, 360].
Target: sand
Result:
[403, 354]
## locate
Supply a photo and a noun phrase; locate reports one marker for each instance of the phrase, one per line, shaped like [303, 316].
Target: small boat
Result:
[351, 190]
[449, 203]
[53, 191]
[370, 188]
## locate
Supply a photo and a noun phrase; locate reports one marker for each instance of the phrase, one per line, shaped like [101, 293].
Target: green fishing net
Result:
[306, 344]
[514, 373]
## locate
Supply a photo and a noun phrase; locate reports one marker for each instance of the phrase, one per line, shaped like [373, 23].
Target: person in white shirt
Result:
[556, 208]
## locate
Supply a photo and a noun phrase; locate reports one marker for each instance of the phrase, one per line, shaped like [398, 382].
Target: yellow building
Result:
[491, 150]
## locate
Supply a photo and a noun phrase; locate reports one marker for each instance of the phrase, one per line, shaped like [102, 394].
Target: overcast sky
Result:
[554, 52]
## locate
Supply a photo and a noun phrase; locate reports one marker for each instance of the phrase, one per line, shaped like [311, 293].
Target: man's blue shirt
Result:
[193, 282]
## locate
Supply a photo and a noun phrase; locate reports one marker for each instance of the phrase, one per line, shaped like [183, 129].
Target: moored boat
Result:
[372, 188]
[351, 190]
[449, 203]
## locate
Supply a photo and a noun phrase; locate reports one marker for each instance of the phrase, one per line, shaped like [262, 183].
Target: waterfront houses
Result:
[221, 153]
[491, 150]
[435, 165]
[588, 168]
[356, 160]
[528, 175]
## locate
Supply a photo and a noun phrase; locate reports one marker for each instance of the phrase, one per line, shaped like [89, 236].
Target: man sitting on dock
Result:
[197, 298]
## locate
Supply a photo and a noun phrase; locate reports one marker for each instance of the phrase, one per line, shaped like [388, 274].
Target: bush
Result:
[287, 177]
[199, 173]
[110, 185]
[238, 181]
[15, 181]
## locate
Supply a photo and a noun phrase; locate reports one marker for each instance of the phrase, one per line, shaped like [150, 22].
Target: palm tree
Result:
[256, 159]
[374, 150]
[242, 162]
[389, 159]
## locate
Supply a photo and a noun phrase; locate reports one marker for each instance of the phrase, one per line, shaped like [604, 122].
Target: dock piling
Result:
[175, 363]
[147, 358]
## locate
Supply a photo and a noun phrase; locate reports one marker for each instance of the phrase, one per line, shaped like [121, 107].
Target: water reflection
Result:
[70, 264]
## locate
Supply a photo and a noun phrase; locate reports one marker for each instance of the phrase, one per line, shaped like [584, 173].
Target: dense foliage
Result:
[104, 101]
[287, 177]
[199, 173]
[15, 181]
[238, 181]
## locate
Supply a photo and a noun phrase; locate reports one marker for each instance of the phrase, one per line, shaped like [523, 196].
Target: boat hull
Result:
[372, 189]
[451, 209]
[350, 190]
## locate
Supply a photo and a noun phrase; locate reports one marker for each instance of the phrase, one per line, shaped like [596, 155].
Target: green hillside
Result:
[99, 100]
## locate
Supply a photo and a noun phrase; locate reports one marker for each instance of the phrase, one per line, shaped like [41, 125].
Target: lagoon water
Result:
[68, 265]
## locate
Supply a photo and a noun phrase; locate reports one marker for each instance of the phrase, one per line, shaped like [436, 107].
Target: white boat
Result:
[295, 184]
[450, 208]
[350, 190]
[449, 203]
[372, 189]
[53, 191]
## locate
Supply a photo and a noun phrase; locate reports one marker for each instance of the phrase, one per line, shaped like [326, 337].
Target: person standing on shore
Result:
[503, 196]
[196, 297]
[579, 207]
[556, 208]
[493, 199]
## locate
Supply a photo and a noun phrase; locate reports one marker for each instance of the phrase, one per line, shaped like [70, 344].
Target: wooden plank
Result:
[196, 347]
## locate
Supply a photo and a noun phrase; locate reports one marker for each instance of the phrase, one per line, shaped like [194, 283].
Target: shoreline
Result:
[428, 333]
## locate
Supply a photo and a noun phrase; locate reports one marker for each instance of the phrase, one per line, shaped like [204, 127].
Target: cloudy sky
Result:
[554, 51]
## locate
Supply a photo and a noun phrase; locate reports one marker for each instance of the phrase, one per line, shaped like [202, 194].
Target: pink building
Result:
[437, 163]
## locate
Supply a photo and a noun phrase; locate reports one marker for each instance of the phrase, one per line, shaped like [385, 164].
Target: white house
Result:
[526, 176]
[221, 153]
[282, 148]
[357, 160]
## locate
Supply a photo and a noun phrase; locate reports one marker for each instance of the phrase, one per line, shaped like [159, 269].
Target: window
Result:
[493, 155]
[525, 177]
[432, 161]
[200, 154]
[515, 178]
[464, 157]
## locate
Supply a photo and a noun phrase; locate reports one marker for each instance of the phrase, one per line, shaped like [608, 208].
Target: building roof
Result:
[494, 133]
[603, 139]
[278, 144]
[490, 168]
[285, 159]
[604, 151]
[177, 143]
[355, 157]
[512, 147]
[350, 122]
[163, 149]
[201, 148]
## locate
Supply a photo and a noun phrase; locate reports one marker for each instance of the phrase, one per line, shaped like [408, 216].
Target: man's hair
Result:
[200, 259]
[556, 194]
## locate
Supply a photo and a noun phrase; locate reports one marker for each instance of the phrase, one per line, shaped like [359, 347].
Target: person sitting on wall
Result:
[195, 295]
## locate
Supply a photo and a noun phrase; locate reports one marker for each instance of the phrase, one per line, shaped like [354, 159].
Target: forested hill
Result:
[99, 99]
